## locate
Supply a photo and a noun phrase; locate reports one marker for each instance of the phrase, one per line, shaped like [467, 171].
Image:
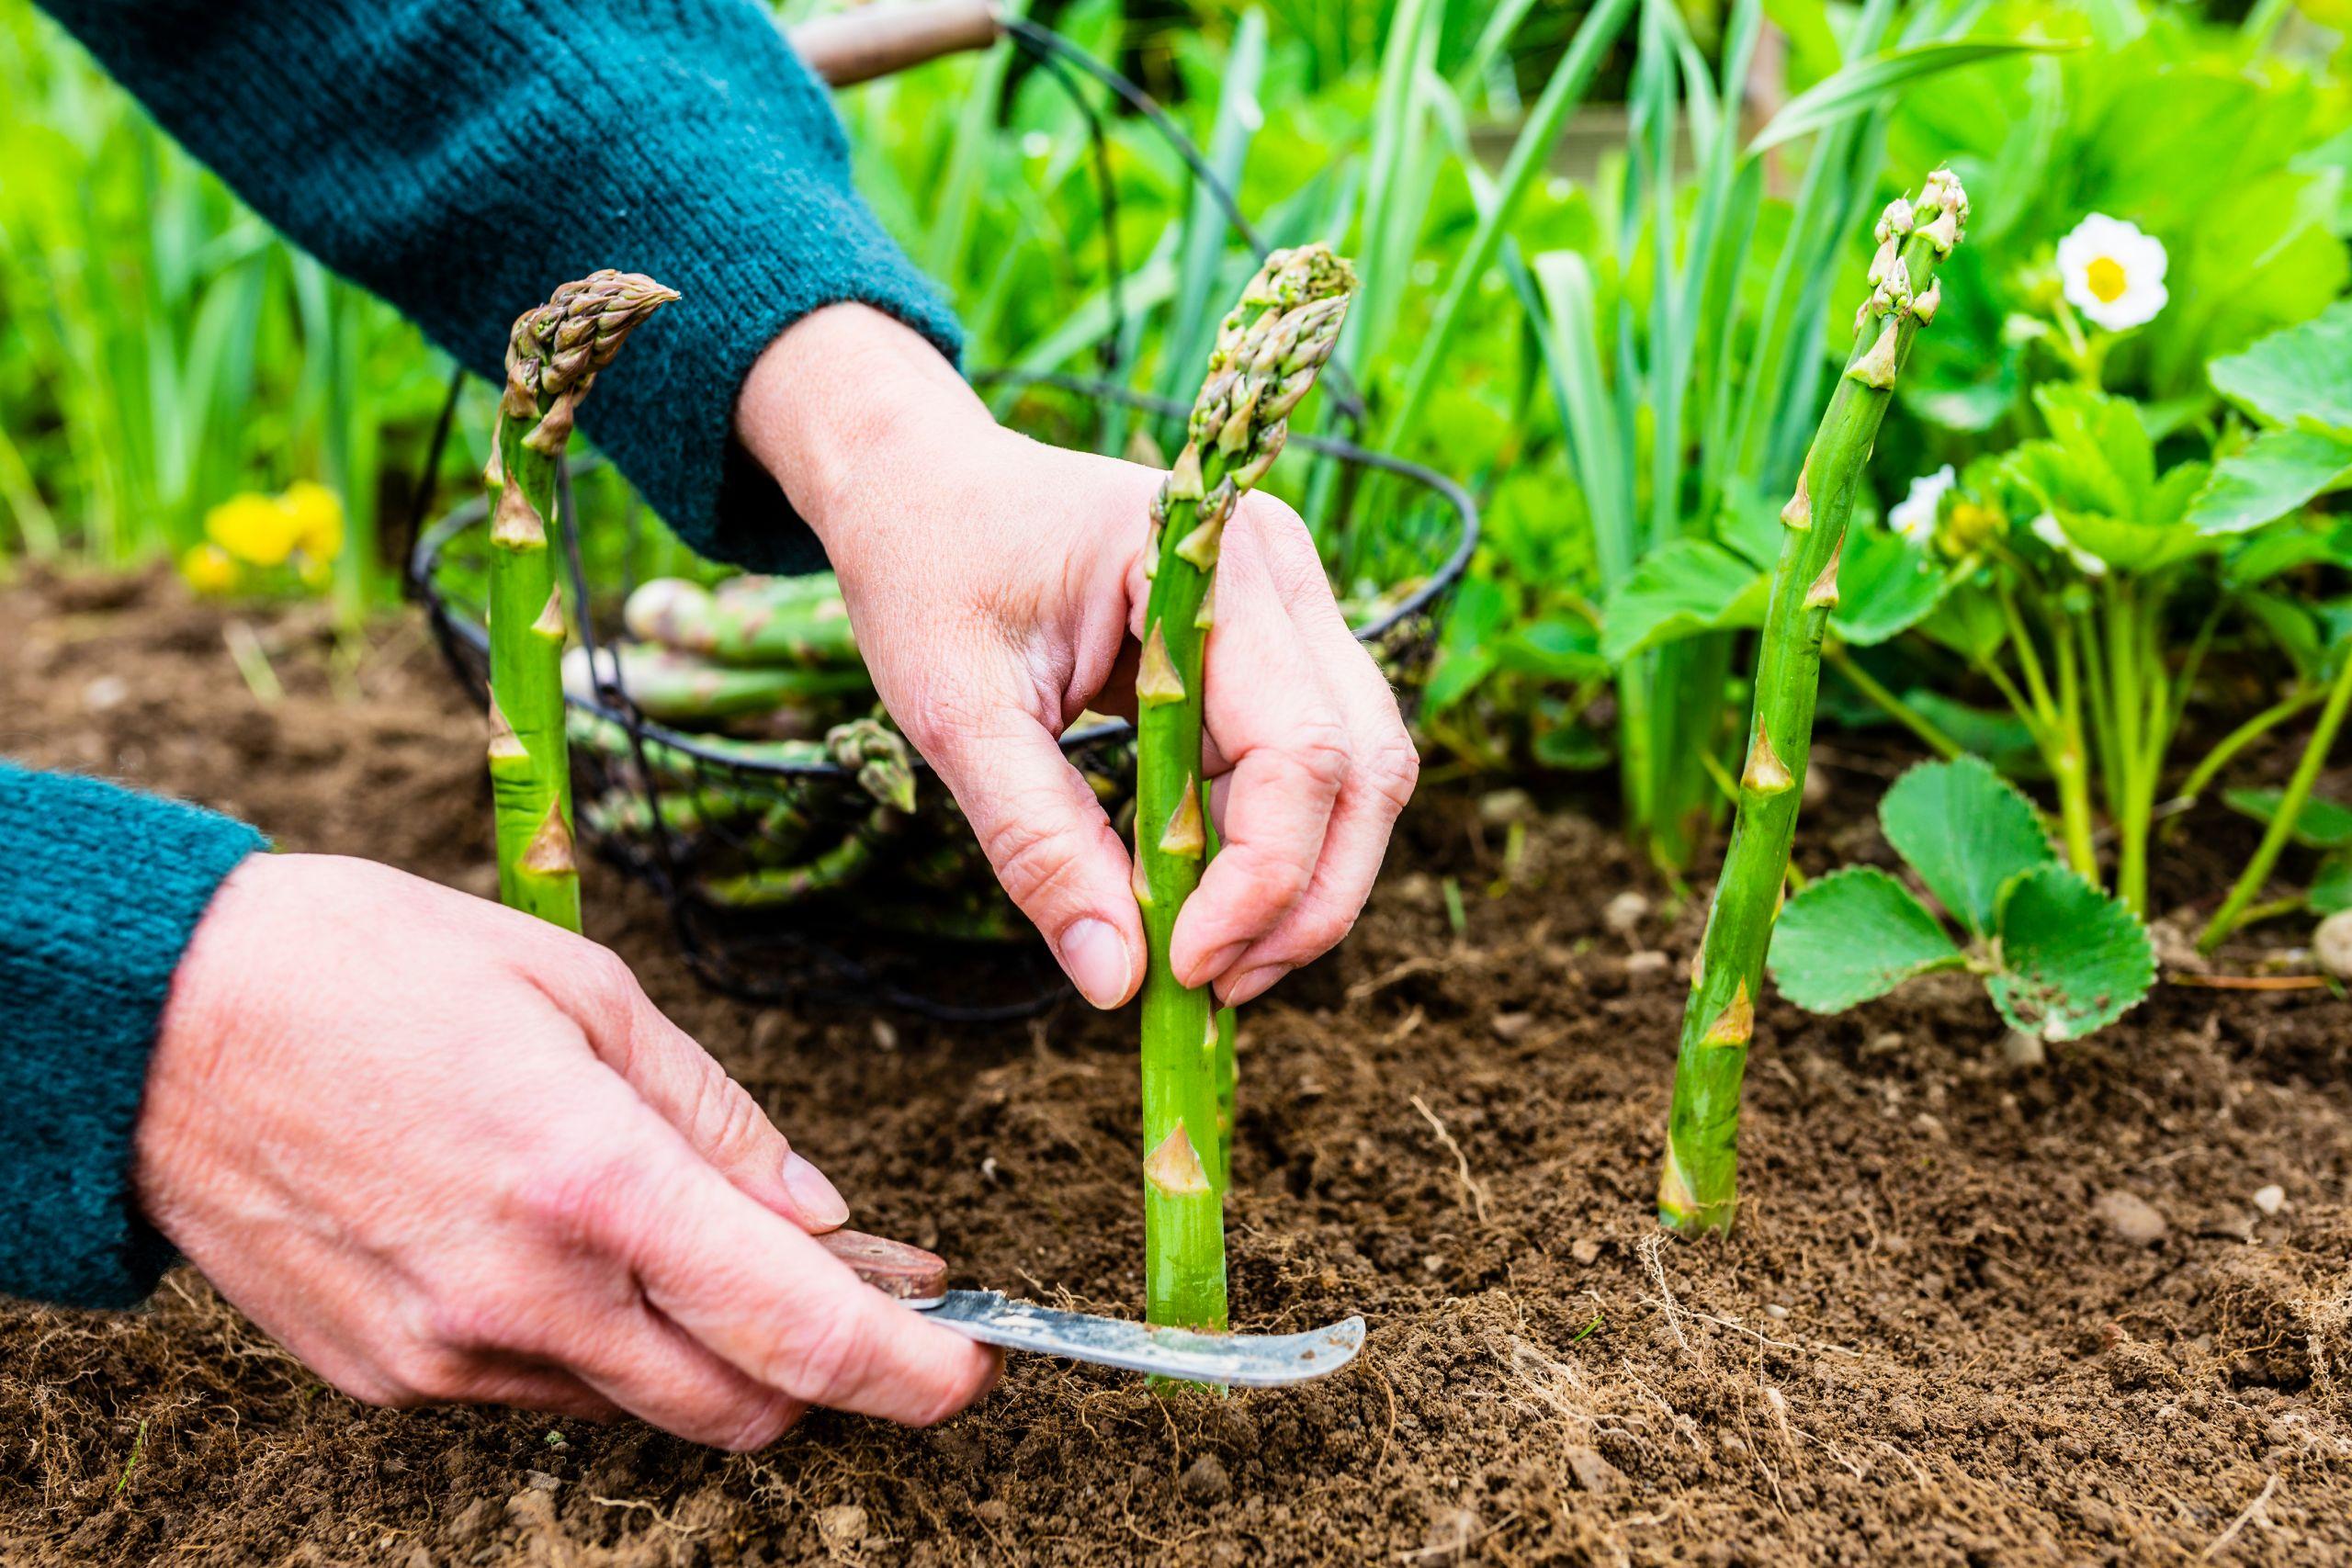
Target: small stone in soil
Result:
[1205, 1480]
[1501, 807]
[1777, 1312]
[1584, 1250]
[2332, 945]
[1511, 1025]
[1625, 912]
[1646, 962]
[1593, 1472]
[2131, 1217]
[2270, 1199]
[841, 1525]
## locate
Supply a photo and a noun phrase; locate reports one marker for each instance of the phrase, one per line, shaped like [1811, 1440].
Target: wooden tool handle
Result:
[850, 47]
[901, 1272]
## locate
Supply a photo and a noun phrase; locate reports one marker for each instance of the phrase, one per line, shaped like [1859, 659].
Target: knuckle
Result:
[1393, 769]
[425, 1373]
[731, 1121]
[1279, 880]
[826, 1356]
[1319, 747]
[1031, 855]
[577, 1195]
[762, 1425]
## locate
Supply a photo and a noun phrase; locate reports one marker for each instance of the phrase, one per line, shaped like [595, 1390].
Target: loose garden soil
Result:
[1973, 1314]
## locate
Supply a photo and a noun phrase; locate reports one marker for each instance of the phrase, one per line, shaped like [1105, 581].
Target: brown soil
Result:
[1925, 1345]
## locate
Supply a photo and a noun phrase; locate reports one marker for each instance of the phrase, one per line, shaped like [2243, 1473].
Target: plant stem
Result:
[1928, 732]
[2231, 913]
[1267, 354]
[2225, 750]
[1697, 1190]
[2070, 767]
[552, 359]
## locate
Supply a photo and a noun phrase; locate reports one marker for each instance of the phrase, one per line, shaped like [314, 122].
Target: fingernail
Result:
[1255, 984]
[820, 1201]
[1097, 962]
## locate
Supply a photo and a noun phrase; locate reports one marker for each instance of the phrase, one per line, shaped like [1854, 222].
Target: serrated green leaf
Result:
[1966, 831]
[1681, 589]
[2331, 885]
[1884, 586]
[2072, 959]
[2301, 375]
[2278, 471]
[2322, 824]
[1852, 935]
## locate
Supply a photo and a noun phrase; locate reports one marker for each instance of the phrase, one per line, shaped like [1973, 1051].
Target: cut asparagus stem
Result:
[839, 867]
[679, 688]
[552, 358]
[1267, 354]
[751, 620]
[1699, 1188]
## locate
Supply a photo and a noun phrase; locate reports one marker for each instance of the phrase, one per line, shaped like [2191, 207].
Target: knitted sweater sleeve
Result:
[99, 891]
[462, 157]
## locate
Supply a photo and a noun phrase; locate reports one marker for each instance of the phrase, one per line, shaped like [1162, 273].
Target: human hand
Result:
[443, 1151]
[997, 587]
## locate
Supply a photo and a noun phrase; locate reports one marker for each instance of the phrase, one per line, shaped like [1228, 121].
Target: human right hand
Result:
[443, 1151]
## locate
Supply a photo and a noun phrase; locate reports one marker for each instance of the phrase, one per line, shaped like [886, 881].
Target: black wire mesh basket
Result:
[800, 865]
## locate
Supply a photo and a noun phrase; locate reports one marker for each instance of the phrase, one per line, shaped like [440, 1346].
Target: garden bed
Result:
[1971, 1314]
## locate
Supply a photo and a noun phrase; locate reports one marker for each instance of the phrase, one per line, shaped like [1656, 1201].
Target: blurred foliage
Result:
[162, 353]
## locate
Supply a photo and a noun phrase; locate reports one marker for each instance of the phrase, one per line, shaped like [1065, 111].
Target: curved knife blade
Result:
[1242, 1360]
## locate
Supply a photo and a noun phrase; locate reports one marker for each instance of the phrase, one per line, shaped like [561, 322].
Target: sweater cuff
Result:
[745, 271]
[101, 890]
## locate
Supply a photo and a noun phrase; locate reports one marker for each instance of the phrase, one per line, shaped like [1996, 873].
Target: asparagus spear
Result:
[679, 688]
[1699, 1188]
[552, 358]
[751, 620]
[1267, 354]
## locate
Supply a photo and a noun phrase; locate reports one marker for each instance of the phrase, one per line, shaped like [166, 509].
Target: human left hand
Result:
[996, 587]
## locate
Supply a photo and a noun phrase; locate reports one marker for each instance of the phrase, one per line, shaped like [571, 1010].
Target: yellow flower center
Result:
[2104, 276]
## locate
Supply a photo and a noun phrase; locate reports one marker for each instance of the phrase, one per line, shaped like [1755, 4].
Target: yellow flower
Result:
[260, 530]
[318, 518]
[209, 568]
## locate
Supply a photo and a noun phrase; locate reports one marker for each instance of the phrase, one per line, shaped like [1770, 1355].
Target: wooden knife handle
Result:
[850, 47]
[897, 1270]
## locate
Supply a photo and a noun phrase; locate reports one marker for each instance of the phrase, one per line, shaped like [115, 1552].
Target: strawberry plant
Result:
[2058, 956]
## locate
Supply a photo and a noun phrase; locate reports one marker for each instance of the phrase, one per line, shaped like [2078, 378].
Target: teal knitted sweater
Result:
[424, 148]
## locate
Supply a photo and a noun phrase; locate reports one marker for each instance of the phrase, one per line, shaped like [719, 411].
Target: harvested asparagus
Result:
[679, 688]
[1699, 1188]
[1267, 354]
[552, 358]
[749, 620]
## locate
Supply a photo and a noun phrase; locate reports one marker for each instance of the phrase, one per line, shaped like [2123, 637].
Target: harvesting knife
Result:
[919, 1278]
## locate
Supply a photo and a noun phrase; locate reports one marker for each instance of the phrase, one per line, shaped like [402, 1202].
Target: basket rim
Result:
[432, 539]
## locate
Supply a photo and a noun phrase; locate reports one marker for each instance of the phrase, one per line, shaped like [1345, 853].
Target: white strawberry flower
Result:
[2045, 528]
[1914, 517]
[2113, 273]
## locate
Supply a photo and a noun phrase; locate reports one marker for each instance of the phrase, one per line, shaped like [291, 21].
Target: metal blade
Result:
[1243, 1360]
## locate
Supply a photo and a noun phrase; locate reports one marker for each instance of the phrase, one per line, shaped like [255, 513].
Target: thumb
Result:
[717, 1116]
[1053, 849]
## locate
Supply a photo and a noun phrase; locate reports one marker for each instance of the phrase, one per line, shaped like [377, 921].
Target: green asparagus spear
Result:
[552, 358]
[678, 688]
[1268, 352]
[1699, 1188]
[751, 620]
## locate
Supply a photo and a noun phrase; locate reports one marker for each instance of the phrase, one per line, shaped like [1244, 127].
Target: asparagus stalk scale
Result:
[1268, 352]
[1699, 1188]
[552, 358]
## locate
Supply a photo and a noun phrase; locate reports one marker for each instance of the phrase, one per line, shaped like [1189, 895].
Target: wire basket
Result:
[786, 871]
